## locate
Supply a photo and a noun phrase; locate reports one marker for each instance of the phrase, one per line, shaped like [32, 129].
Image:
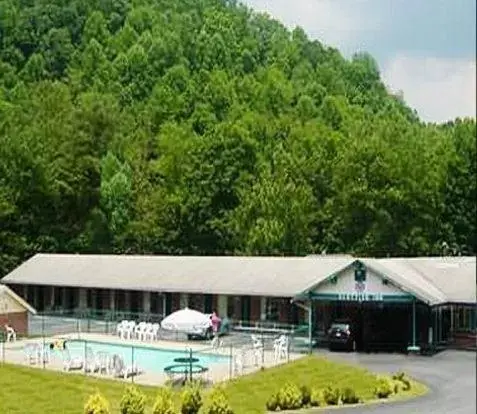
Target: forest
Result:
[200, 127]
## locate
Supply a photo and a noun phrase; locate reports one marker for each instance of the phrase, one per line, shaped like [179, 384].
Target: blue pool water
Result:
[146, 358]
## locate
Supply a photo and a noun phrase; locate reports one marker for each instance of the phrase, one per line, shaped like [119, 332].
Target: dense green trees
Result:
[199, 127]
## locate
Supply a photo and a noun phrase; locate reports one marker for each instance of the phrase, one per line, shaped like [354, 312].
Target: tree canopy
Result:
[202, 127]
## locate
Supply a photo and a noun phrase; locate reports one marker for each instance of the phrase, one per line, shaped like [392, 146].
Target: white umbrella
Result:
[186, 320]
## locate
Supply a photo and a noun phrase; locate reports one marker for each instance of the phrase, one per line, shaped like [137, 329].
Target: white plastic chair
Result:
[140, 330]
[121, 370]
[155, 331]
[280, 348]
[11, 334]
[129, 330]
[148, 333]
[30, 351]
[257, 346]
[239, 362]
[121, 328]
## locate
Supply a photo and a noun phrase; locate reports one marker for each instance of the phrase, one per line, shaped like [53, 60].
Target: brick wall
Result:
[18, 321]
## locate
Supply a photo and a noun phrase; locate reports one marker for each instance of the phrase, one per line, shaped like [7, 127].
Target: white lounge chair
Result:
[103, 363]
[42, 354]
[71, 363]
[120, 369]
[90, 362]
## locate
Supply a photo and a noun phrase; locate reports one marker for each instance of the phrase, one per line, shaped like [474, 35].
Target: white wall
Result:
[346, 284]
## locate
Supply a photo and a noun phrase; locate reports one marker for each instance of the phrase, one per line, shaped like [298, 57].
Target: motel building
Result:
[403, 302]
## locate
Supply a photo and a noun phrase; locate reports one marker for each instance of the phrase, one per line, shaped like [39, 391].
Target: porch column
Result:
[127, 300]
[83, 298]
[146, 302]
[25, 292]
[222, 303]
[310, 326]
[451, 321]
[413, 346]
[112, 299]
[263, 308]
[52, 297]
[184, 300]
[36, 296]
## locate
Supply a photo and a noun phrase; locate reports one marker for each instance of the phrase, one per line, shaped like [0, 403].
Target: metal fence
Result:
[90, 343]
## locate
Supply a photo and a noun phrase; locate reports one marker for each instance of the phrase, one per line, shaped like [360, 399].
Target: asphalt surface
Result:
[450, 376]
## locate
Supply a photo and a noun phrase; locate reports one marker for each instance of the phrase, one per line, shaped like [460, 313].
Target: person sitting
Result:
[11, 334]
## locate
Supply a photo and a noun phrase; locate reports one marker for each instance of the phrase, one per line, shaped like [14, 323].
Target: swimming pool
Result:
[148, 359]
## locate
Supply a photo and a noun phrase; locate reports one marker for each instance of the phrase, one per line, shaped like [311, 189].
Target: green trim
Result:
[381, 298]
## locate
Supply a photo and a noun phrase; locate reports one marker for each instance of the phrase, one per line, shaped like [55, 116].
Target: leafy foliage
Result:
[164, 403]
[202, 127]
[96, 404]
[191, 399]
[217, 402]
[133, 401]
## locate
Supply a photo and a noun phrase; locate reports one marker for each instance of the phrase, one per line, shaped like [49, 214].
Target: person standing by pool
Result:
[215, 322]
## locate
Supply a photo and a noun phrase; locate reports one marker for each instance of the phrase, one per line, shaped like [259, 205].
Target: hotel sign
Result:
[360, 297]
[360, 294]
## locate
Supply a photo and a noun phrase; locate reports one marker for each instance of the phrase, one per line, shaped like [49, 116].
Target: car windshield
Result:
[340, 326]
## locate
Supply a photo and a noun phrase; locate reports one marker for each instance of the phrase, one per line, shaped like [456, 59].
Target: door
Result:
[246, 305]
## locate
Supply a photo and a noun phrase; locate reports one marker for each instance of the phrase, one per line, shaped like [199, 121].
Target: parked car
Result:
[341, 336]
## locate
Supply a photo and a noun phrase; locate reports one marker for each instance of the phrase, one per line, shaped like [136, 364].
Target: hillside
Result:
[200, 127]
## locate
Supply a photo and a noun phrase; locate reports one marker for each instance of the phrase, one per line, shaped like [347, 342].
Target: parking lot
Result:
[450, 375]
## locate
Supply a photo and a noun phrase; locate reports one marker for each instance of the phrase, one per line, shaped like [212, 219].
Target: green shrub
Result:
[273, 403]
[401, 382]
[305, 395]
[96, 404]
[289, 397]
[133, 401]
[384, 388]
[164, 403]
[191, 399]
[316, 398]
[331, 396]
[349, 396]
[217, 403]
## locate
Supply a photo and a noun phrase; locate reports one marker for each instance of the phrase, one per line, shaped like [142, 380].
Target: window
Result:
[272, 312]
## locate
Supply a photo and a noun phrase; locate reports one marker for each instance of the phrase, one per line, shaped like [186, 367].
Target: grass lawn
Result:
[35, 391]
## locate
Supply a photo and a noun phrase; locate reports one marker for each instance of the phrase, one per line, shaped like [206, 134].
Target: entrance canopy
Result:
[366, 280]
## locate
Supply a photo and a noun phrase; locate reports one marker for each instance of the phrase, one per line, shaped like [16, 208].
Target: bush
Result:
[164, 403]
[305, 395]
[96, 404]
[384, 388]
[273, 403]
[349, 396]
[191, 399]
[289, 397]
[332, 396]
[217, 403]
[401, 382]
[133, 401]
[316, 398]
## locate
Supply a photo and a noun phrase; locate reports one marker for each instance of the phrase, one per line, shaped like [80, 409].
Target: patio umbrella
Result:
[186, 320]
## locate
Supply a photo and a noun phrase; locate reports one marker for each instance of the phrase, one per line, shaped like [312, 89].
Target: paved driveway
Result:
[450, 375]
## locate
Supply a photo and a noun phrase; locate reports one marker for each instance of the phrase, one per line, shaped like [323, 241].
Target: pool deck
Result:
[218, 372]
